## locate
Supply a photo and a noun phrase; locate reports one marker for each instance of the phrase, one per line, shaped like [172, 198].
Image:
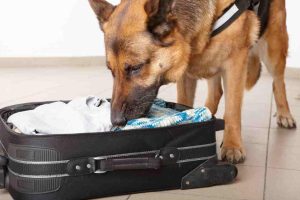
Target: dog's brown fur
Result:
[155, 42]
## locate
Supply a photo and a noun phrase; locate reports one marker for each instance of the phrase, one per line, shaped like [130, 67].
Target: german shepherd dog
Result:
[150, 43]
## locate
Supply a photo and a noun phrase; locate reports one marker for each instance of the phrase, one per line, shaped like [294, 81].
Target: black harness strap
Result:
[263, 10]
[235, 10]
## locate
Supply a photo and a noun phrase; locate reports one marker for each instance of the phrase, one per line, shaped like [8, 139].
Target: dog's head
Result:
[144, 50]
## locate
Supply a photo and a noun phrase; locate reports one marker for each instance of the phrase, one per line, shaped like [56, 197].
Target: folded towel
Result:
[91, 114]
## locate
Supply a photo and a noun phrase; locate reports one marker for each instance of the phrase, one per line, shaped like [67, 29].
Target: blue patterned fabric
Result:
[160, 116]
[159, 109]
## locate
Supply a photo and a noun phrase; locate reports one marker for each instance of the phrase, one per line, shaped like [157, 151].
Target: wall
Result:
[31, 28]
[294, 32]
[49, 28]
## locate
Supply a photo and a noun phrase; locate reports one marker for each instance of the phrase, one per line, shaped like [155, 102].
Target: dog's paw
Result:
[233, 155]
[286, 121]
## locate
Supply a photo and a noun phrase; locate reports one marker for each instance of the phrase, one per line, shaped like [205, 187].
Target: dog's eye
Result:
[133, 69]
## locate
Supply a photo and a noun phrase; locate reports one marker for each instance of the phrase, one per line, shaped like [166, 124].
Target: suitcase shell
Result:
[92, 165]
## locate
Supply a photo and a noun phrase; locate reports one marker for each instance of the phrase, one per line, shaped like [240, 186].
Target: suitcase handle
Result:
[165, 156]
[128, 164]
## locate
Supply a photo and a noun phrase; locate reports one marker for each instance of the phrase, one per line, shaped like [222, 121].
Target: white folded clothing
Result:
[82, 115]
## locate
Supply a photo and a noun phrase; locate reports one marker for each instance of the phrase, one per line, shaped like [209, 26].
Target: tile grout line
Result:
[281, 168]
[206, 196]
[267, 152]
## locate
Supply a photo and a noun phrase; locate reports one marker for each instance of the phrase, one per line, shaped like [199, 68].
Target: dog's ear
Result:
[102, 9]
[161, 20]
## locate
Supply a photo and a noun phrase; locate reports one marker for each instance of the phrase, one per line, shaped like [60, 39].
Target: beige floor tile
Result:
[53, 95]
[62, 92]
[169, 196]
[25, 88]
[249, 185]
[250, 135]
[125, 197]
[4, 195]
[286, 157]
[255, 135]
[282, 184]
[260, 97]
[54, 84]
[254, 115]
[256, 154]
[285, 137]
[261, 93]
[284, 149]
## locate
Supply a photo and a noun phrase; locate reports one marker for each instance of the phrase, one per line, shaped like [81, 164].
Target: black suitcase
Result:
[92, 165]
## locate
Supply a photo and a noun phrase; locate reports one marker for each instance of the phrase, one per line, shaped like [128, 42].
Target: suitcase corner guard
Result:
[210, 173]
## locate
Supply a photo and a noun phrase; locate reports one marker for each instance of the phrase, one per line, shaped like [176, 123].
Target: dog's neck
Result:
[194, 15]
[196, 19]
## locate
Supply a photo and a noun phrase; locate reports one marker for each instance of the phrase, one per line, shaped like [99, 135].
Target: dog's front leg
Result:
[215, 93]
[234, 82]
[186, 88]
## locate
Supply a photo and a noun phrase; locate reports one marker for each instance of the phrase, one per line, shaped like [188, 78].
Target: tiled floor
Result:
[272, 168]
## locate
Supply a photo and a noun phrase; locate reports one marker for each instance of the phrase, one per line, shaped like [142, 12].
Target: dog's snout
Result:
[118, 115]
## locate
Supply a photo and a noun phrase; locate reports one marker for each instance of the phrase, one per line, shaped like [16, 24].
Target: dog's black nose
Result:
[118, 120]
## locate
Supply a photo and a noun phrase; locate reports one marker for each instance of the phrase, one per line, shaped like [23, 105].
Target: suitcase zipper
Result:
[109, 156]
